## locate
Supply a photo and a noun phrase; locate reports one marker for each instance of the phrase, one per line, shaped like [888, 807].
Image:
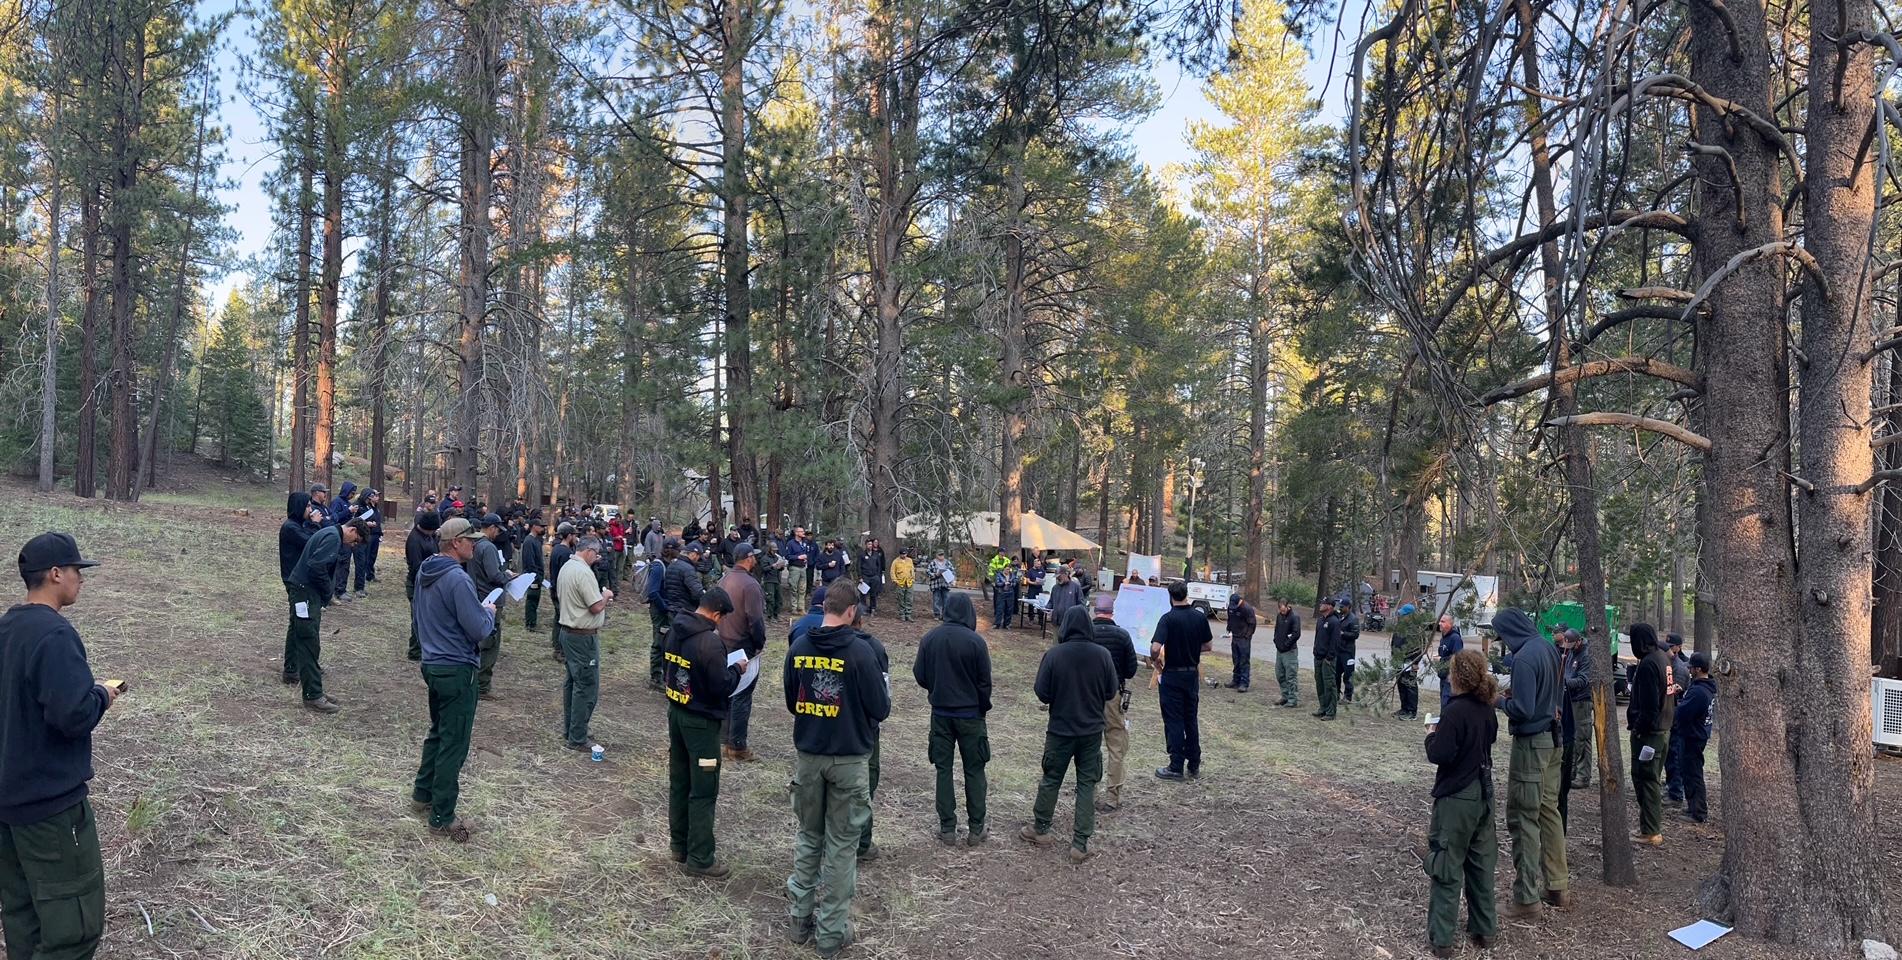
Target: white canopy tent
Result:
[981, 529]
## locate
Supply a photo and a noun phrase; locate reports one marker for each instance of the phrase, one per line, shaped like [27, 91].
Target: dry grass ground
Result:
[236, 824]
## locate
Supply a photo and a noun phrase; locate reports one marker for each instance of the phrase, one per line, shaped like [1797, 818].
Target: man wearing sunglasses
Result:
[52, 884]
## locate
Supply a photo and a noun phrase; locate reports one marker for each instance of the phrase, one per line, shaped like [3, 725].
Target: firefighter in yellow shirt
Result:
[904, 576]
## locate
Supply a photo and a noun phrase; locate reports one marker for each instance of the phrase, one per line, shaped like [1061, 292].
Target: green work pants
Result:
[968, 738]
[1327, 685]
[693, 783]
[532, 608]
[871, 790]
[53, 886]
[657, 614]
[904, 603]
[1461, 853]
[1059, 752]
[305, 646]
[1532, 817]
[1583, 757]
[770, 591]
[832, 803]
[1647, 776]
[452, 710]
[1288, 675]
[487, 653]
[581, 690]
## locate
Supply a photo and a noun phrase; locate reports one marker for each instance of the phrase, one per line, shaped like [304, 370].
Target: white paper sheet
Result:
[735, 657]
[493, 596]
[518, 587]
[747, 678]
[1699, 935]
[950, 576]
[303, 610]
[864, 589]
[1645, 755]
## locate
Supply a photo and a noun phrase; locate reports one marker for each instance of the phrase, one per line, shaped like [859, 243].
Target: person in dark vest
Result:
[52, 880]
[1462, 850]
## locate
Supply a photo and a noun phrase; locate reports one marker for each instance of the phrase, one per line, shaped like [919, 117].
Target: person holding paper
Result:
[799, 556]
[1462, 849]
[565, 540]
[485, 567]
[953, 665]
[743, 630]
[52, 881]
[291, 537]
[904, 577]
[452, 624]
[1645, 719]
[583, 612]
[370, 511]
[940, 576]
[311, 581]
[533, 562]
[700, 679]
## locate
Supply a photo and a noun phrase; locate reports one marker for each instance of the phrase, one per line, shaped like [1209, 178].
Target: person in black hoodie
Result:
[1287, 654]
[1075, 678]
[954, 667]
[1692, 725]
[1534, 770]
[533, 561]
[52, 882]
[699, 683]
[838, 693]
[1646, 720]
[291, 537]
[1122, 651]
[420, 545]
[1241, 640]
[872, 573]
[1462, 849]
[310, 581]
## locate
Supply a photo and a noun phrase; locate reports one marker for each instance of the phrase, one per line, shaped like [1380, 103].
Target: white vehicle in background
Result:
[1471, 600]
[1210, 598]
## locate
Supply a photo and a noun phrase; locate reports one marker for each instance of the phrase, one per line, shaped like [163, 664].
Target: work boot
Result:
[679, 856]
[868, 853]
[1164, 773]
[746, 755]
[1654, 840]
[419, 808]
[976, 836]
[1281, 702]
[948, 837]
[1485, 942]
[1561, 899]
[1078, 855]
[837, 948]
[1107, 806]
[1030, 833]
[1524, 911]
[322, 705]
[1242, 689]
[712, 871]
[1443, 952]
[457, 831]
[799, 931]
[1318, 713]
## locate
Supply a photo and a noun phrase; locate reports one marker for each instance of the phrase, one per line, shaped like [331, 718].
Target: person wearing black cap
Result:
[682, 588]
[743, 629]
[291, 537]
[1691, 726]
[565, 538]
[533, 562]
[1329, 628]
[420, 545]
[311, 580]
[52, 882]
[700, 683]
[1674, 741]
[488, 572]
[1181, 637]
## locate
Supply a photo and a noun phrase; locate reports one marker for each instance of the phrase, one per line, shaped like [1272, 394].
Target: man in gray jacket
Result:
[488, 572]
[1532, 796]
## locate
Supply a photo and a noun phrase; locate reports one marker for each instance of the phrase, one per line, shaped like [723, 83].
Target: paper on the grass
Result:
[1699, 935]
[518, 587]
[864, 588]
[493, 596]
[303, 610]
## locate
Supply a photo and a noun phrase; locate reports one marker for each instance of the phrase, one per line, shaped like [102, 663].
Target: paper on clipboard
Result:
[518, 587]
[751, 673]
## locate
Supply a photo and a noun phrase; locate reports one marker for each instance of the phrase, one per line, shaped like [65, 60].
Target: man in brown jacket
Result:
[743, 629]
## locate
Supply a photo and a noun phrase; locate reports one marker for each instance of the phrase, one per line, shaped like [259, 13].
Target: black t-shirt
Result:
[1183, 632]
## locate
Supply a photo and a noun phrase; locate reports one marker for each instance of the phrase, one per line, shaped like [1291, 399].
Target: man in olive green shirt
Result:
[583, 611]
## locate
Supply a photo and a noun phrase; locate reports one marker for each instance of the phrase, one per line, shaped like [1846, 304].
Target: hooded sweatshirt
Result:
[1645, 713]
[1533, 706]
[1066, 594]
[1076, 678]
[836, 691]
[315, 565]
[954, 664]
[698, 678]
[292, 536]
[1694, 711]
[450, 621]
[340, 511]
[419, 546]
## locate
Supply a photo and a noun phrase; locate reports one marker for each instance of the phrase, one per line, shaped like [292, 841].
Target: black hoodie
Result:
[1076, 678]
[1646, 712]
[836, 691]
[954, 663]
[698, 677]
[292, 536]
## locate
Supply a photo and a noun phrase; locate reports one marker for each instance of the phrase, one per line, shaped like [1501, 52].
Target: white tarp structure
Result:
[981, 529]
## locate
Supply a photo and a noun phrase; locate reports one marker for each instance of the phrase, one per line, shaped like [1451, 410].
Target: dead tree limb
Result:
[1632, 420]
[1595, 368]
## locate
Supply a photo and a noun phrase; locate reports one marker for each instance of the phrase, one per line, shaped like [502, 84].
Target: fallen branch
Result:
[1595, 368]
[1693, 440]
[1655, 293]
[1744, 257]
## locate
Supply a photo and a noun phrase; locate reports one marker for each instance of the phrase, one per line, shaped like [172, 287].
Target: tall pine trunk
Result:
[86, 432]
[49, 369]
[300, 310]
[180, 296]
[737, 21]
[122, 467]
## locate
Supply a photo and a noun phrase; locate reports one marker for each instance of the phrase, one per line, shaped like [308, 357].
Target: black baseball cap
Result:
[49, 550]
[743, 551]
[491, 521]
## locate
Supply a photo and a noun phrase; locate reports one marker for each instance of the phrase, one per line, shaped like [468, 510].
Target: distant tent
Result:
[980, 529]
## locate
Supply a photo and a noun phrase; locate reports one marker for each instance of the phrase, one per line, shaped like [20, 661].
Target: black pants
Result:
[1691, 772]
[1181, 699]
[1409, 687]
[1346, 674]
[52, 886]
